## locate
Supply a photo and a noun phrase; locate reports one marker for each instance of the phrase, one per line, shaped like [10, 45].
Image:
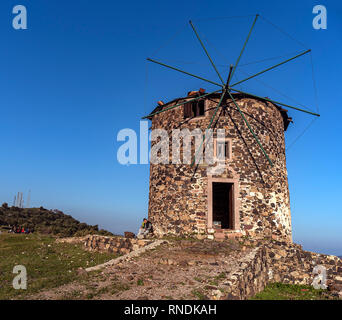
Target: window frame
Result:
[193, 116]
[227, 157]
[236, 202]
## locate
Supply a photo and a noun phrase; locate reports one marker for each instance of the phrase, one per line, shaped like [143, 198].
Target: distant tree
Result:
[5, 205]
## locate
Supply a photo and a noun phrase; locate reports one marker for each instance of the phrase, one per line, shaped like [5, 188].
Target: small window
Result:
[187, 110]
[194, 109]
[222, 149]
[200, 108]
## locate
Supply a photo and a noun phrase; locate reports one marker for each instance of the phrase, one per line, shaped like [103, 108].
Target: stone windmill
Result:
[250, 196]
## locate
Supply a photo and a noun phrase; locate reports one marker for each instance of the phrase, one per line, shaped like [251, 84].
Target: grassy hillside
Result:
[46, 221]
[48, 264]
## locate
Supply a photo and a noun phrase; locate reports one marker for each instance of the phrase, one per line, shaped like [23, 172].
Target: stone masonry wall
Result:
[275, 261]
[119, 245]
[250, 277]
[291, 264]
[178, 196]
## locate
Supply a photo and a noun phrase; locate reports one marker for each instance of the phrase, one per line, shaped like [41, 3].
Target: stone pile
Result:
[117, 244]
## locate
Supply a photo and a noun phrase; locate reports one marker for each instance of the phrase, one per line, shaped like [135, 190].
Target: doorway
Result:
[222, 205]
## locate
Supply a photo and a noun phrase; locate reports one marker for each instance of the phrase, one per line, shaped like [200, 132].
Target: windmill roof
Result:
[287, 120]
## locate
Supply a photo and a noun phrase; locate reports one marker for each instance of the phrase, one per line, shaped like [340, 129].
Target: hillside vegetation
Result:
[46, 221]
[48, 264]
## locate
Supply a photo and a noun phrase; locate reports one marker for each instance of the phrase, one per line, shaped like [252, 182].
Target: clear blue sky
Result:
[78, 75]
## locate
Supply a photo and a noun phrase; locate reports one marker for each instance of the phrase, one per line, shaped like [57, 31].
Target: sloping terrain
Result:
[175, 270]
[46, 221]
[205, 269]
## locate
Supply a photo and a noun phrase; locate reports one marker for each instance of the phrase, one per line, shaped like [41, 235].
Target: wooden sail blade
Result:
[277, 102]
[244, 45]
[270, 68]
[250, 129]
[205, 50]
[179, 70]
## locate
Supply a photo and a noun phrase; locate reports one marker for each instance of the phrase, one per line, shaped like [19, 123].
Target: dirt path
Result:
[175, 270]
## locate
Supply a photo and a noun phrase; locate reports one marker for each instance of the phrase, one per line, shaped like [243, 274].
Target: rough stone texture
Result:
[267, 261]
[119, 245]
[188, 269]
[72, 240]
[178, 197]
[127, 256]
[129, 234]
[250, 277]
[275, 261]
[289, 263]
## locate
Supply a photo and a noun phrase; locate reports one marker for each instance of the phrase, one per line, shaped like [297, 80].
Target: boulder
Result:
[129, 235]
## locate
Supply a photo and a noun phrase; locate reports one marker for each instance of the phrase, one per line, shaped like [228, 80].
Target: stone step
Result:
[219, 235]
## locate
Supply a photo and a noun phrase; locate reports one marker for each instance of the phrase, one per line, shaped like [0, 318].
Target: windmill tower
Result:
[250, 195]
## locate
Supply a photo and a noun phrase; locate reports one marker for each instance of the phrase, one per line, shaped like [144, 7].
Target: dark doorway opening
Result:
[222, 205]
